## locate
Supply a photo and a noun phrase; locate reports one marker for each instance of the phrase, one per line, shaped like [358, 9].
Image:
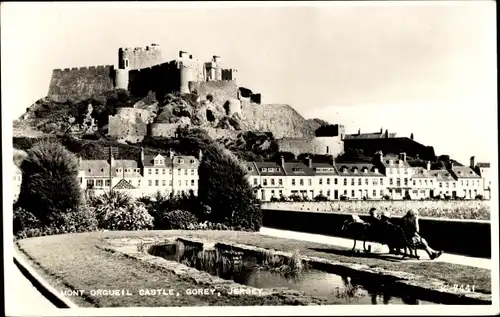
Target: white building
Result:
[146, 176]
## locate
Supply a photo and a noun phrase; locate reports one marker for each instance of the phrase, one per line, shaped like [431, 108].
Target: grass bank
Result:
[75, 262]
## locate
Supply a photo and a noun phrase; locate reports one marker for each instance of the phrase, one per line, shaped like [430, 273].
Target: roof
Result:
[298, 169]
[186, 161]
[324, 169]
[358, 169]
[442, 175]
[420, 172]
[395, 161]
[251, 169]
[483, 164]
[100, 168]
[180, 161]
[463, 172]
[373, 135]
[263, 169]
[149, 160]
[123, 184]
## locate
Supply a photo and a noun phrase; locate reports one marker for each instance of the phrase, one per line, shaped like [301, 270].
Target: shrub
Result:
[80, 219]
[50, 181]
[223, 186]
[118, 211]
[321, 197]
[178, 219]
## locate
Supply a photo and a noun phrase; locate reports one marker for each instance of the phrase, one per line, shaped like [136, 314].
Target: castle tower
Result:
[185, 71]
[218, 67]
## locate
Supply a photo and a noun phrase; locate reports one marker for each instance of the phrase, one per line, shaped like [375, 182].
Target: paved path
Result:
[22, 298]
[348, 243]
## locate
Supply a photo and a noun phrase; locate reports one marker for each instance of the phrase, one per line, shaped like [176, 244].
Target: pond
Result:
[272, 272]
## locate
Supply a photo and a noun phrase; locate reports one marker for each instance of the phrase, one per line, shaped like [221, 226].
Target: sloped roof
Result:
[324, 169]
[123, 184]
[395, 161]
[358, 169]
[298, 169]
[100, 168]
[251, 169]
[277, 172]
[442, 175]
[463, 172]
[420, 172]
[149, 160]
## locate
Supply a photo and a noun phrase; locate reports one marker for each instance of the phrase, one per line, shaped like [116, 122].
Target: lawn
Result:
[75, 262]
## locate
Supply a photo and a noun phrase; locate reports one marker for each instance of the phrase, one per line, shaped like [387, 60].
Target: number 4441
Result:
[458, 288]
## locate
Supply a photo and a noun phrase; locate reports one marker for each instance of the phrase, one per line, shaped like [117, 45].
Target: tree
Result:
[50, 181]
[223, 187]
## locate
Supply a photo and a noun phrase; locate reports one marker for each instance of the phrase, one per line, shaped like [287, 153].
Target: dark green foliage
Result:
[315, 157]
[80, 219]
[223, 186]
[354, 155]
[50, 181]
[178, 219]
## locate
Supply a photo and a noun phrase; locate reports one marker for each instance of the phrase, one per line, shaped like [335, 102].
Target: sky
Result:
[409, 67]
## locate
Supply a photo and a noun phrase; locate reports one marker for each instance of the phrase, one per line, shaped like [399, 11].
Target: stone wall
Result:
[318, 145]
[81, 82]
[139, 57]
[280, 119]
[166, 130]
[221, 91]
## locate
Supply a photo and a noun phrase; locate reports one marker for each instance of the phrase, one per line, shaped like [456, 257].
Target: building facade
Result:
[145, 176]
[387, 177]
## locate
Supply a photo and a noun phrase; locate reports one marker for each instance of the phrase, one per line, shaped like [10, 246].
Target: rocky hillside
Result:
[91, 116]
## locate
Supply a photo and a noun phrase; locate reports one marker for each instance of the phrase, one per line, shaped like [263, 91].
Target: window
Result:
[345, 181]
[405, 170]
[391, 182]
[345, 192]
[192, 182]
[163, 171]
[138, 182]
[264, 181]
[366, 181]
[180, 161]
[415, 183]
[179, 171]
[281, 193]
[98, 183]
[272, 181]
[163, 183]
[374, 193]
[398, 182]
[352, 181]
[186, 182]
[328, 181]
[335, 181]
[264, 169]
[440, 184]
[107, 183]
[352, 193]
[90, 182]
[180, 183]
[169, 171]
[293, 181]
[328, 193]
[185, 172]
[150, 182]
[454, 185]
[381, 181]
[280, 182]
[118, 170]
[157, 182]
[321, 181]
[375, 182]
[447, 184]
[467, 183]
[149, 171]
[192, 172]
[406, 181]
[156, 171]
[310, 182]
[301, 182]
[255, 181]
[381, 193]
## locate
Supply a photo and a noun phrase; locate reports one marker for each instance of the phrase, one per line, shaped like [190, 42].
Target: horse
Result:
[383, 233]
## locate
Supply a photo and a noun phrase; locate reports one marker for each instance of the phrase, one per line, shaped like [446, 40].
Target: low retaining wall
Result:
[471, 238]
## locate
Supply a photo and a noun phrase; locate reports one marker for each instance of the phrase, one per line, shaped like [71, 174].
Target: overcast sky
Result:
[426, 68]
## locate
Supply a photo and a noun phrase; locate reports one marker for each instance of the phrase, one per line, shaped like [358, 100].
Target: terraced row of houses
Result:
[386, 177]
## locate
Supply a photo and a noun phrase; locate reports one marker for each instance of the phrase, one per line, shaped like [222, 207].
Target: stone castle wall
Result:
[221, 91]
[129, 124]
[139, 57]
[318, 145]
[81, 82]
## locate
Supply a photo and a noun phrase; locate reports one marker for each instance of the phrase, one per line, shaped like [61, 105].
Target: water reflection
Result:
[249, 270]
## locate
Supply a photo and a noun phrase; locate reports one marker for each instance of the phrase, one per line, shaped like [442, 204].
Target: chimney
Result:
[428, 165]
[472, 162]
[111, 158]
[411, 136]
[142, 154]
[380, 156]
[451, 164]
[386, 133]
[170, 154]
[402, 156]
[359, 131]
[381, 130]
[282, 161]
[310, 162]
[200, 155]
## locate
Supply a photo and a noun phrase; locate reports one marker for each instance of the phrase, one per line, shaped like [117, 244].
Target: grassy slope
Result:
[75, 261]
